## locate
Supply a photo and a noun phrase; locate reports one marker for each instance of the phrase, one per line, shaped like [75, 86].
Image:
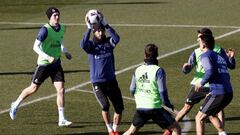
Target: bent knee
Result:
[105, 107]
[33, 88]
[119, 110]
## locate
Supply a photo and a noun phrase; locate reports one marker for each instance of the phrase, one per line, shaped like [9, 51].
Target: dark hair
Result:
[205, 31]
[50, 11]
[208, 40]
[98, 27]
[151, 51]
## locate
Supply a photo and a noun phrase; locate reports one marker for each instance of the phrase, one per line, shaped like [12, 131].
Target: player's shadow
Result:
[30, 73]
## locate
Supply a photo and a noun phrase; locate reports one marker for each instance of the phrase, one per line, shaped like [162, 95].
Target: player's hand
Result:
[51, 59]
[230, 52]
[68, 55]
[186, 68]
[198, 87]
[87, 22]
[103, 21]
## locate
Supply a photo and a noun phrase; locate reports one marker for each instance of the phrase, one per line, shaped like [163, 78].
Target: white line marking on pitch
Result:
[128, 25]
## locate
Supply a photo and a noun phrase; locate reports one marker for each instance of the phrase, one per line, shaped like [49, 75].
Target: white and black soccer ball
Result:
[94, 16]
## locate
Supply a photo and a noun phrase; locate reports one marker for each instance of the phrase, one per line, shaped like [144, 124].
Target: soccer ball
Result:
[94, 16]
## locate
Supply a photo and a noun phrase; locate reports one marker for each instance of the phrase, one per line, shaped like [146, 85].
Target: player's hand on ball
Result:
[103, 19]
[87, 22]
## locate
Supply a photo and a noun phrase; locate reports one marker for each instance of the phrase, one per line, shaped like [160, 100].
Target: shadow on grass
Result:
[30, 73]
[226, 119]
[19, 28]
[229, 134]
[104, 133]
[83, 3]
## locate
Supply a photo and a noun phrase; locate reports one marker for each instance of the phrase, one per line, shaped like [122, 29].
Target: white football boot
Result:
[13, 111]
[64, 123]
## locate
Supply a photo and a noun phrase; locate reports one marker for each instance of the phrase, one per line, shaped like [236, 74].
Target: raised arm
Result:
[85, 44]
[229, 58]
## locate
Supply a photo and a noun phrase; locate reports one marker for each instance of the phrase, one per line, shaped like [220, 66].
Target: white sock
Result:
[222, 133]
[61, 113]
[17, 102]
[109, 127]
[114, 127]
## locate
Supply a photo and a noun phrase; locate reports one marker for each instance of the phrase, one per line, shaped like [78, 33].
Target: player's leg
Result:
[186, 109]
[57, 77]
[165, 120]
[115, 97]
[175, 129]
[24, 94]
[200, 127]
[211, 106]
[38, 78]
[216, 123]
[192, 99]
[107, 121]
[132, 130]
[116, 121]
[220, 103]
[207, 109]
[221, 117]
[62, 121]
[99, 90]
[139, 119]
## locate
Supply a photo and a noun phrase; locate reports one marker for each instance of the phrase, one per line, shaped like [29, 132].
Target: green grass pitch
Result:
[171, 24]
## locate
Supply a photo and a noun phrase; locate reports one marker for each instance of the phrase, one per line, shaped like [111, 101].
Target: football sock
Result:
[61, 113]
[17, 102]
[114, 127]
[109, 127]
[222, 133]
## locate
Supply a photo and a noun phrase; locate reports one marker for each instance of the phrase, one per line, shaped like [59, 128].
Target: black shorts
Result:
[42, 72]
[195, 97]
[109, 90]
[213, 104]
[160, 116]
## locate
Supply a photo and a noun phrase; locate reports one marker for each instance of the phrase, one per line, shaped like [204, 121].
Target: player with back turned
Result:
[148, 86]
